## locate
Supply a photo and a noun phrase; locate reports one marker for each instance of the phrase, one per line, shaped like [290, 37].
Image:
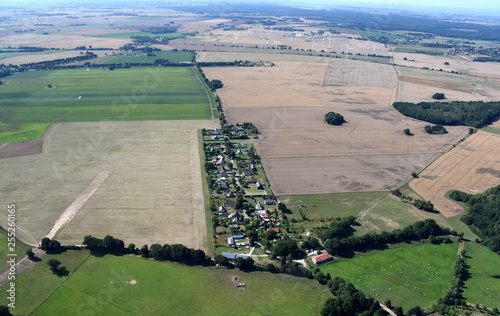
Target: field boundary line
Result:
[197, 74]
[78, 203]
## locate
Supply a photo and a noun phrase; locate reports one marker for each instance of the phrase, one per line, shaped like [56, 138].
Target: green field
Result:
[389, 214]
[173, 57]
[141, 93]
[481, 288]
[20, 250]
[16, 133]
[323, 206]
[395, 273]
[103, 286]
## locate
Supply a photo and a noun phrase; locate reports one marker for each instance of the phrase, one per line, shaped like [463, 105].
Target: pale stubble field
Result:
[152, 194]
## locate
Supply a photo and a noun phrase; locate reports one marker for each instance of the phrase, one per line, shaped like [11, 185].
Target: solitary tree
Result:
[407, 132]
[439, 96]
[53, 265]
[333, 118]
[30, 254]
[4, 311]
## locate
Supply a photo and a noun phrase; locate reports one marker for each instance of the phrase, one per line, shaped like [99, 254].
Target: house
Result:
[232, 256]
[276, 229]
[259, 186]
[229, 204]
[238, 235]
[247, 173]
[251, 181]
[230, 242]
[322, 258]
[269, 202]
[222, 210]
[258, 206]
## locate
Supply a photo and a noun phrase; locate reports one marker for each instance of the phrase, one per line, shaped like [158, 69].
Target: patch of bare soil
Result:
[31, 147]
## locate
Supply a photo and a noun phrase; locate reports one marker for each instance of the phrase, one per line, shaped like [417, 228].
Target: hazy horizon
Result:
[480, 7]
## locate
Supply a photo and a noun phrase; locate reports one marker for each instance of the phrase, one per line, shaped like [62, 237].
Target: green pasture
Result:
[481, 288]
[20, 250]
[103, 286]
[140, 93]
[16, 133]
[173, 57]
[324, 206]
[408, 276]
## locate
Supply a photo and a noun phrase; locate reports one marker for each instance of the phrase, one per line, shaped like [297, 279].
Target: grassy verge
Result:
[206, 199]
[210, 95]
[408, 276]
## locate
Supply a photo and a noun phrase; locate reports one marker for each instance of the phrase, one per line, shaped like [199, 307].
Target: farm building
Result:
[230, 242]
[238, 235]
[322, 258]
[232, 256]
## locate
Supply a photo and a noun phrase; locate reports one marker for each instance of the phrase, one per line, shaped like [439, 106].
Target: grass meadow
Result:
[173, 57]
[324, 206]
[408, 276]
[20, 250]
[78, 95]
[113, 285]
[481, 288]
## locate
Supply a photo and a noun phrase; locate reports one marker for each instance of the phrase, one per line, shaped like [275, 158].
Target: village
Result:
[248, 219]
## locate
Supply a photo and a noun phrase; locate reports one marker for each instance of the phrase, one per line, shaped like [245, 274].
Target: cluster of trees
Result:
[420, 204]
[349, 301]
[56, 268]
[50, 64]
[108, 244]
[175, 252]
[487, 59]
[417, 231]
[470, 113]
[460, 275]
[50, 246]
[24, 49]
[333, 118]
[160, 29]
[149, 40]
[435, 129]
[215, 84]
[483, 216]
[286, 247]
[439, 95]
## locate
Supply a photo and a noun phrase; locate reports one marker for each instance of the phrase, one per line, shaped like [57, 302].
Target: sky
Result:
[442, 6]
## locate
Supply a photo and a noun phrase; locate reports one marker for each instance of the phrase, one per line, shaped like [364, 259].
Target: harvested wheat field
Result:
[348, 72]
[473, 166]
[35, 58]
[303, 154]
[292, 84]
[139, 181]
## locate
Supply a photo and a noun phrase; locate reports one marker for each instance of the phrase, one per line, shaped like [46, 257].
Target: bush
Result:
[333, 118]
[439, 96]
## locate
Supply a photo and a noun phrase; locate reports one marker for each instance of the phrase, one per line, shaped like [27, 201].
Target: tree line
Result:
[344, 246]
[469, 113]
[483, 216]
[49, 64]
